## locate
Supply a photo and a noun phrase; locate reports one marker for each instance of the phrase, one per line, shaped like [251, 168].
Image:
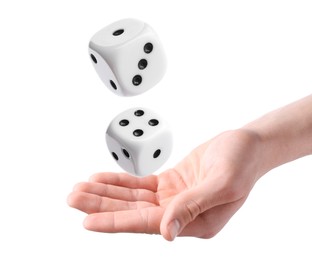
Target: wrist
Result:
[276, 147]
[265, 150]
[272, 152]
[257, 150]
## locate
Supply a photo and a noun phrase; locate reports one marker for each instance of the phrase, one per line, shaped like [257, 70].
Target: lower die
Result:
[139, 140]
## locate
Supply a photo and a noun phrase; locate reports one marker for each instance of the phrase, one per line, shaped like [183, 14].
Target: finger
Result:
[91, 203]
[116, 192]
[145, 220]
[185, 207]
[149, 182]
[208, 224]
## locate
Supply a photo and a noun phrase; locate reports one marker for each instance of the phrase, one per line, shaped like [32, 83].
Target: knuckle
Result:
[193, 209]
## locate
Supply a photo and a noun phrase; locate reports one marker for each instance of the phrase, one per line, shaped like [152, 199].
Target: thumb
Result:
[184, 208]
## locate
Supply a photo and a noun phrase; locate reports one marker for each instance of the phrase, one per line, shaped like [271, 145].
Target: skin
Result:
[199, 195]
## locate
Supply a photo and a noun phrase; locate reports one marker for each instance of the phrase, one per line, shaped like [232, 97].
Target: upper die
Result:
[128, 57]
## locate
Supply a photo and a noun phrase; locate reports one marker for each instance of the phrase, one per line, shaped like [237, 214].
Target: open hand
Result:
[195, 198]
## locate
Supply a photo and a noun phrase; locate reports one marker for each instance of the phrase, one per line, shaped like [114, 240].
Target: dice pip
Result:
[128, 57]
[139, 140]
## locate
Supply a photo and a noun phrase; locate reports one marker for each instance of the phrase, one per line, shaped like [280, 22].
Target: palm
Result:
[113, 200]
[124, 203]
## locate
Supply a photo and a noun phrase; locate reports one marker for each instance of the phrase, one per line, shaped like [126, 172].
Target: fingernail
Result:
[174, 228]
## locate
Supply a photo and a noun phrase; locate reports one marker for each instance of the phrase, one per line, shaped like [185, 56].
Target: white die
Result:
[139, 140]
[128, 57]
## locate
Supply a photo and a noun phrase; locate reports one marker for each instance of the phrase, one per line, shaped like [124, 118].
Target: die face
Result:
[117, 33]
[143, 138]
[120, 154]
[152, 156]
[134, 56]
[142, 64]
[105, 73]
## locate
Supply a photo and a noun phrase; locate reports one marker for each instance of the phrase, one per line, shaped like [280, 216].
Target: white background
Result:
[229, 62]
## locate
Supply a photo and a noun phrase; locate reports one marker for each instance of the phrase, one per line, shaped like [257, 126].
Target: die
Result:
[139, 141]
[128, 57]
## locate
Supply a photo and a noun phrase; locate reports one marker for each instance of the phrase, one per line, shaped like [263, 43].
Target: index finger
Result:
[145, 220]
